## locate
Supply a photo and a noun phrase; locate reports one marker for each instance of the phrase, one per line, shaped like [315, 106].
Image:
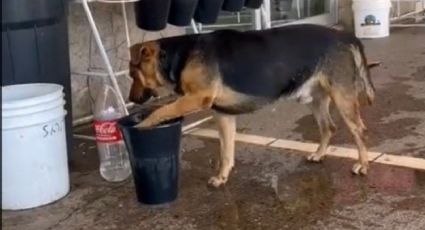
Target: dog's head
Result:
[145, 71]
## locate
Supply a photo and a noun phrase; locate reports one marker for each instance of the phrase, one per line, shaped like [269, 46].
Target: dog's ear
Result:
[141, 52]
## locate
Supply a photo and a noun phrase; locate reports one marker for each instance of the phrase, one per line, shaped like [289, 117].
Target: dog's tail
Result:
[364, 85]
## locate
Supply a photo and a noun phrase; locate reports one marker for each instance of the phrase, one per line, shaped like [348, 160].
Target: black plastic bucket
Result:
[207, 11]
[152, 14]
[253, 4]
[182, 12]
[154, 158]
[233, 5]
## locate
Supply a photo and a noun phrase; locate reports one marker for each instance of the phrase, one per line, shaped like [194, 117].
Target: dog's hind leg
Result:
[227, 131]
[348, 107]
[320, 108]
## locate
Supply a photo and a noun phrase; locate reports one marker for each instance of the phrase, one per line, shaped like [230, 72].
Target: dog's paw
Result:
[217, 181]
[143, 125]
[314, 157]
[360, 169]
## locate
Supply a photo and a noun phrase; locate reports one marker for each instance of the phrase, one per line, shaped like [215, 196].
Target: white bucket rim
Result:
[60, 115]
[32, 109]
[53, 91]
[371, 5]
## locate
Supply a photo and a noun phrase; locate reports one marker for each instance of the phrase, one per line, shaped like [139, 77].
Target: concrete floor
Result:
[272, 188]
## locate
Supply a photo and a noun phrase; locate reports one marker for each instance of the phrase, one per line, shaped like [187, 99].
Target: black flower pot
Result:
[207, 11]
[181, 12]
[253, 4]
[233, 5]
[152, 14]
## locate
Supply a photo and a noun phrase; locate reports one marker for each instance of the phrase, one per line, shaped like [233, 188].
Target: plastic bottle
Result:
[114, 162]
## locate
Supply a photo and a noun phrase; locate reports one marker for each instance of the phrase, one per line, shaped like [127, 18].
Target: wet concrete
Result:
[269, 189]
[273, 188]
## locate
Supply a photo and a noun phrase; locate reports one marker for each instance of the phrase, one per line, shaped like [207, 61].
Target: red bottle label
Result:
[107, 131]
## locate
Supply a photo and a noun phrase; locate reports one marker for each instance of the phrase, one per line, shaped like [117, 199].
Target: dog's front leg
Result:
[227, 130]
[183, 106]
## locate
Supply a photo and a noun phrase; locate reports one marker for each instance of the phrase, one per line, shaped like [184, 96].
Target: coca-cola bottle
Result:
[114, 162]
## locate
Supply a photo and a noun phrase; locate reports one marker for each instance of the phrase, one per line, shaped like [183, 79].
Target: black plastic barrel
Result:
[35, 47]
[154, 158]
[233, 5]
[181, 12]
[152, 14]
[207, 11]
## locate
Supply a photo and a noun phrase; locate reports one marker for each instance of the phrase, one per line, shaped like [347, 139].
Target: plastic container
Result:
[35, 47]
[152, 14]
[113, 156]
[233, 5]
[181, 12]
[371, 18]
[207, 11]
[154, 158]
[34, 148]
[253, 4]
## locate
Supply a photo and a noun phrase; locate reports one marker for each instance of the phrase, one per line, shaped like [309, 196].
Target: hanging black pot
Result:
[253, 4]
[233, 5]
[152, 14]
[181, 12]
[207, 11]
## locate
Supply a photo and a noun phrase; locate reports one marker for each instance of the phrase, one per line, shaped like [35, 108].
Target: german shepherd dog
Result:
[236, 72]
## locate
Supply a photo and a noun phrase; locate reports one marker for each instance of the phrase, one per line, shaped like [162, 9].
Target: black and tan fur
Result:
[235, 72]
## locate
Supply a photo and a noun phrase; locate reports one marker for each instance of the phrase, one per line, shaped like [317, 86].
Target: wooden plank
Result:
[350, 153]
[402, 161]
[187, 128]
[252, 139]
[295, 145]
[378, 157]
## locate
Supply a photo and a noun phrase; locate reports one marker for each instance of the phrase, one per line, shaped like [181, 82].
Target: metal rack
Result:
[110, 72]
[415, 14]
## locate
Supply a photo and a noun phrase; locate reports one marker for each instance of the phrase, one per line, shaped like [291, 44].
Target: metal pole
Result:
[127, 32]
[298, 9]
[256, 19]
[104, 54]
[266, 14]
[194, 27]
[99, 74]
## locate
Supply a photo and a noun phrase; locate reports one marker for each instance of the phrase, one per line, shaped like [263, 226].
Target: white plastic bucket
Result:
[34, 153]
[371, 18]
